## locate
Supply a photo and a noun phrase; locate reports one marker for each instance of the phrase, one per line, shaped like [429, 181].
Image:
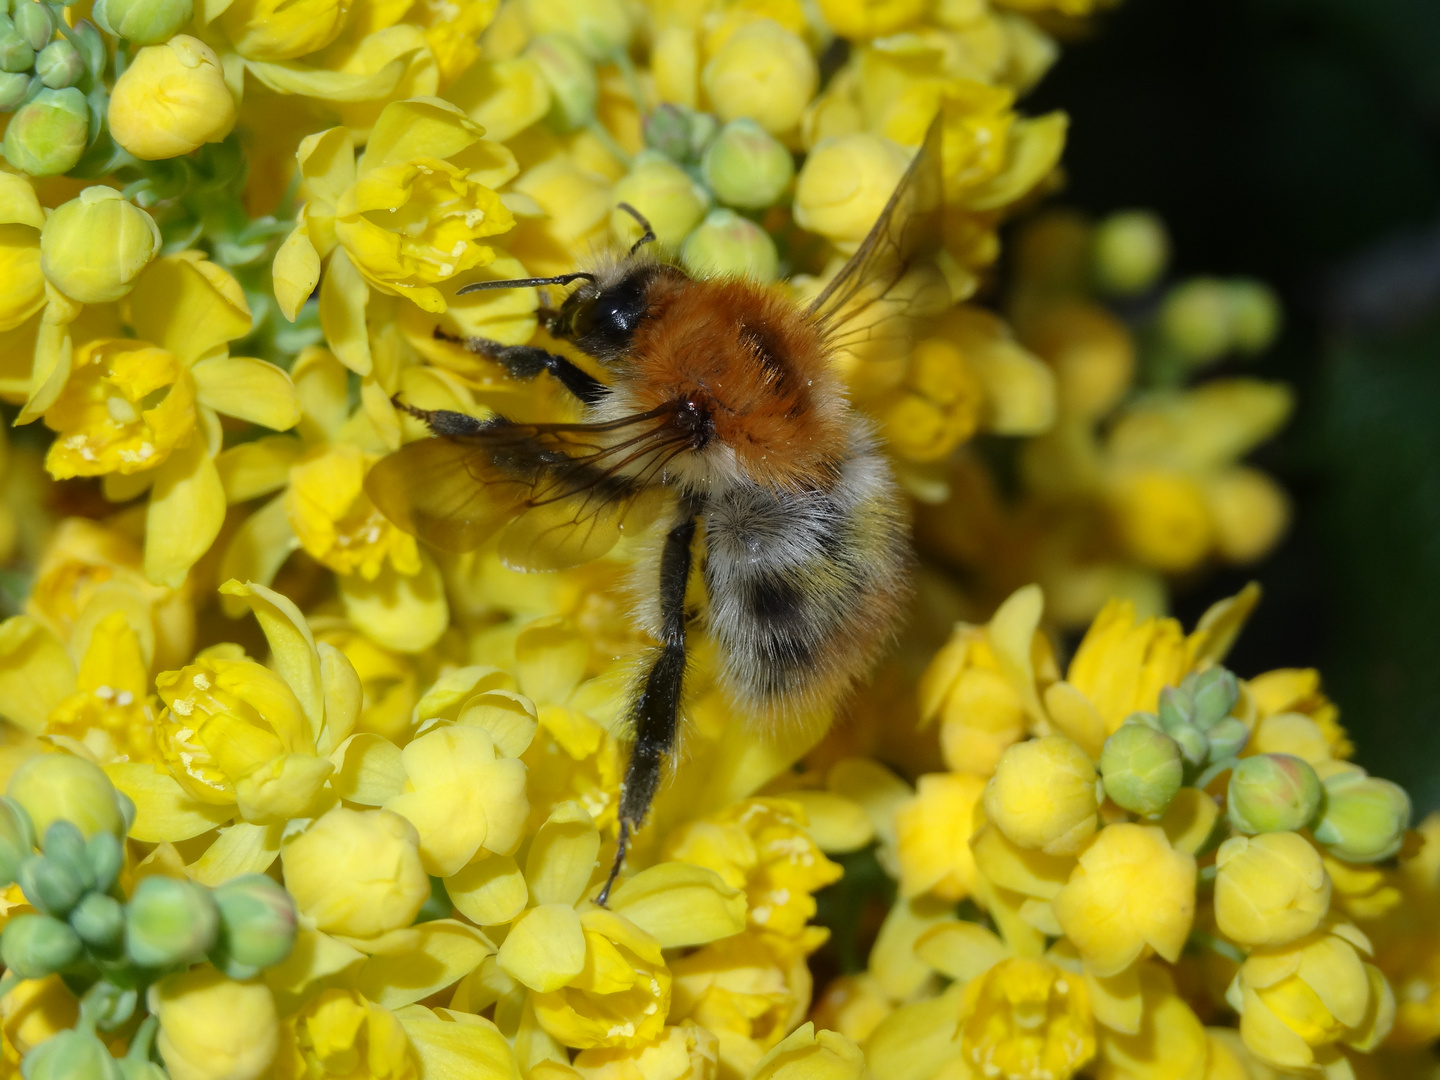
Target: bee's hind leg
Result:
[656, 712]
[527, 361]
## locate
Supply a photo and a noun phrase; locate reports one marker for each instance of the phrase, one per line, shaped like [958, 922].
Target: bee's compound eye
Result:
[603, 324]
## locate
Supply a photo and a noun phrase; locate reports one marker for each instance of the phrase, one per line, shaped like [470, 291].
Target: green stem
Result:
[143, 1039]
[1217, 945]
[601, 133]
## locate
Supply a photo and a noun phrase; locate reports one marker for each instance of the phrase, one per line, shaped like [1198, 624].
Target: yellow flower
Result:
[1270, 890]
[760, 846]
[1045, 795]
[860, 19]
[844, 184]
[1169, 1041]
[171, 99]
[21, 221]
[1123, 663]
[266, 30]
[932, 831]
[807, 1054]
[1162, 518]
[111, 714]
[1132, 894]
[1297, 1002]
[213, 1028]
[341, 1033]
[1295, 692]
[1026, 1017]
[357, 874]
[336, 522]
[762, 71]
[685, 1051]
[35, 1010]
[408, 215]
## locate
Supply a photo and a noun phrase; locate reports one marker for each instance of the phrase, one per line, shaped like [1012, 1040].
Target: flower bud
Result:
[16, 55]
[746, 166]
[143, 22]
[845, 183]
[50, 885]
[1176, 708]
[59, 64]
[599, 27]
[34, 946]
[171, 99]
[71, 1055]
[1254, 315]
[34, 22]
[1142, 769]
[662, 191]
[1213, 693]
[1364, 819]
[1194, 747]
[52, 787]
[15, 840]
[667, 129]
[13, 85]
[1043, 795]
[1270, 889]
[107, 857]
[571, 78]
[93, 247]
[257, 925]
[100, 922]
[1195, 319]
[110, 1005]
[64, 844]
[1227, 739]
[727, 244]
[214, 1028]
[47, 134]
[169, 921]
[1272, 793]
[765, 72]
[1130, 250]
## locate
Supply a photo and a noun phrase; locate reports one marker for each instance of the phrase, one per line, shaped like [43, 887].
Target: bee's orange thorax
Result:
[750, 357]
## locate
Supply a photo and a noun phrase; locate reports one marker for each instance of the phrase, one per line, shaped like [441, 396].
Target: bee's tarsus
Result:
[622, 844]
[648, 237]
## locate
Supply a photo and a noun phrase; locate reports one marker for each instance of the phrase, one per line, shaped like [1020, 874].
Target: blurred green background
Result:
[1299, 141]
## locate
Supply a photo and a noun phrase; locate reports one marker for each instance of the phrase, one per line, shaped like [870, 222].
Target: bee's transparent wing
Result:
[892, 273]
[558, 494]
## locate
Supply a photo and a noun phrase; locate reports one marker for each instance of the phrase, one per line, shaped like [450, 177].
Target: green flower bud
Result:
[107, 857]
[13, 85]
[726, 244]
[71, 1055]
[16, 55]
[34, 946]
[257, 925]
[667, 129]
[50, 885]
[1254, 314]
[59, 64]
[571, 78]
[1273, 793]
[59, 786]
[93, 247]
[1213, 694]
[1130, 250]
[65, 845]
[1195, 319]
[15, 840]
[46, 137]
[1176, 708]
[746, 166]
[100, 922]
[665, 193]
[1227, 739]
[1142, 769]
[143, 22]
[34, 22]
[1364, 819]
[170, 921]
[703, 127]
[109, 1005]
[1194, 747]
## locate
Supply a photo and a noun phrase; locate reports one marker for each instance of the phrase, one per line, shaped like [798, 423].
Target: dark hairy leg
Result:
[527, 361]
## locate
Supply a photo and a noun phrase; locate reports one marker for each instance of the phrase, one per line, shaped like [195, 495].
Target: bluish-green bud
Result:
[746, 166]
[1196, 319]
[59, 64]
[50, 885]
[106, 855]
[143, 22]
[571, 78]
[1227, 738]
[1142, 769]
[1254, 313]
[1176, 708]
[13, 85]
[1130, 250]
[34, 946]
[100, 922]
[35, 23]
[1364, 818]
[1273, 793]
[726, 244]
[108, 1005]
[15, 840]
[71, 1055]
[16, 55]
[667, 129]
[1213, 693]
[257, 925]
[65, 845]
[170, 921]
[1194, 747]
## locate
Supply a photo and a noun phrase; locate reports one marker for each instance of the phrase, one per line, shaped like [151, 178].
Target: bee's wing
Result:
[563, 494]
[888, 276]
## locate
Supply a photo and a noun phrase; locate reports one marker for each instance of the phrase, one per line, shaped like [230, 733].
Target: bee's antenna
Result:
[520, 283]
[649, 236]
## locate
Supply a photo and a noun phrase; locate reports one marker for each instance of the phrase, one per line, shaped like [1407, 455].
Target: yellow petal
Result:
[420, 127]
[259, 467]
[961, 950]
[370, 770]
[836, 824]
[249, 389]
[448, 951]
[551, 658]
[681, 904]
[18, 204]
[460, 1046]
[914, 1041]
[163, 811]
[806, 1054]
[563, 856]
[292, 77]
[1071, 712]
[490, 891]
[407, 614]
[187, 508]
[286, 787]
[241, 849]
[296, 270]
[315, 956]
[344, 696]
[1221, 625]
[1035, 147]
[509, 718]
[292, 647]
[343, 298]
[257, 550]
[36, 673]
[545, 949]
[1012, 635]
[327, 161]
[188, 305]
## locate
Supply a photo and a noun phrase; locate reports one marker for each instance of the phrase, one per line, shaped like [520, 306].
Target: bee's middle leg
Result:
[527, 361]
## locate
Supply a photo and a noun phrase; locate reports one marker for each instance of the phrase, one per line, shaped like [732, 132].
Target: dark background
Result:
[1299, 141]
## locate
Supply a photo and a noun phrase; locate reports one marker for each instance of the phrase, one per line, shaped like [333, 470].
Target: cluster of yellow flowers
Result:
[228, 236]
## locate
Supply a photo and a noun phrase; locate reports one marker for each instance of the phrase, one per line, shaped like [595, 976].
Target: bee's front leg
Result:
[527, 361]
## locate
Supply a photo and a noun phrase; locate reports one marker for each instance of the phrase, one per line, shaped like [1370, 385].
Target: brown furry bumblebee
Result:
[722, 404]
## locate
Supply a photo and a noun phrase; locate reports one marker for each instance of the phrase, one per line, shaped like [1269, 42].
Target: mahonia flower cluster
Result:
[312, 800]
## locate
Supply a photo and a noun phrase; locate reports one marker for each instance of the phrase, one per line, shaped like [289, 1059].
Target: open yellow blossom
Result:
[1170, 1040]
[111, 714]
[1026, 1017]
[932, 834]
[336, 522]
[339, 1030]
